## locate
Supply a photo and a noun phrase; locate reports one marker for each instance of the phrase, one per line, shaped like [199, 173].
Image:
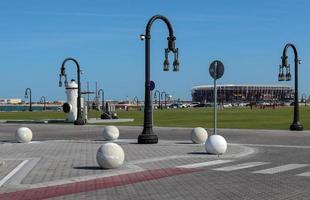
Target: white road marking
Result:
[21, 174]
[281, 168]
[241, 166]
[14, 171]
[304, 174]
[205, 164]
[273, 145]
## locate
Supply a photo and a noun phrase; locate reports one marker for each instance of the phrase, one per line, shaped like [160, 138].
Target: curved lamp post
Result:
[43, 99]
[147, 136]
[102, 98]
[165, 98]
[28, 90]
[157, 92]
[79, 120]
[286, 76]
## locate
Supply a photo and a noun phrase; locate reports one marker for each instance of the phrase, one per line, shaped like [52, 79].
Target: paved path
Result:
[259, 164]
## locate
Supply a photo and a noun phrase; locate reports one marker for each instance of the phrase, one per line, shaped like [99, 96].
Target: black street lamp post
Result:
[102, 98]
[43, 99]
[157, 95]
[163, 96]
[30, 98]
[79, 120]
[296, 125]
[148, 136]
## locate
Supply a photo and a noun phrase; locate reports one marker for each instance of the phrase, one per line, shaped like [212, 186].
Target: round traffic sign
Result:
[216, 69]
[152, 85]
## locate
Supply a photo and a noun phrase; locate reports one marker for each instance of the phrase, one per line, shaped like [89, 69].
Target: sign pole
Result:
[215, 101]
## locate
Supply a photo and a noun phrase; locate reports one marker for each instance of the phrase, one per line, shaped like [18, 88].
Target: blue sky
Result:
[248, 36]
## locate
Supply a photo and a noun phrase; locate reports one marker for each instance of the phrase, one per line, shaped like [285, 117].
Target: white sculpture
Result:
[72, 94]
[110, 155]
[110, 133]
[199, 135]
[23, 135]
[216, 144]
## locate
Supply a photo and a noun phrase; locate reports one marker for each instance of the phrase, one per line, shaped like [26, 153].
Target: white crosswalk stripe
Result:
[246, 165]
[205, 164]
[304, 174]
[241, 166]
[279, 169]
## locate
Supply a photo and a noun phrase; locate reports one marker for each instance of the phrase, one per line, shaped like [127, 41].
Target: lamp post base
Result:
[147, 137]
[296, 126]
[79, 122]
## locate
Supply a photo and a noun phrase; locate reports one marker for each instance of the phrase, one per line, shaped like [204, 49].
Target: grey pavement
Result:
[259, 164]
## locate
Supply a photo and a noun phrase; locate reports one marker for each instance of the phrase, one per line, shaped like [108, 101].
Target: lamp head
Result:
[166, 61]
[166, 65]
[176, 63]
[281, 74]
[281, 77]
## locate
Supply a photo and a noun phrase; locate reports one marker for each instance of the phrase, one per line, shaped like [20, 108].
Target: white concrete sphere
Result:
[110, 133]
[110, 155]
[23, 135]
[216, 144]
[199, 135]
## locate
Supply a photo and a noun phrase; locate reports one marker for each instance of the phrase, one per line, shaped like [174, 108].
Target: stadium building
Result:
[243, 93]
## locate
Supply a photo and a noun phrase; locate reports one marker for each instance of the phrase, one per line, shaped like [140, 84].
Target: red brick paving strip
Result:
[95, 184]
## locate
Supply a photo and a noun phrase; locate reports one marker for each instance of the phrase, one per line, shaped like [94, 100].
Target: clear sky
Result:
[248, 36]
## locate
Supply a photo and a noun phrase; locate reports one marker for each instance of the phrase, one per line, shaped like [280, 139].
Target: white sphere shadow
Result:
[216, 144]
[23, 135]
[110, 156]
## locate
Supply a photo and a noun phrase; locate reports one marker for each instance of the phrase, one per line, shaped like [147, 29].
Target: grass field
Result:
[280, 118]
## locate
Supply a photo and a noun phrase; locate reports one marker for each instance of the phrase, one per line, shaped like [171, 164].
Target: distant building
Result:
[10, 101]
[243, 93]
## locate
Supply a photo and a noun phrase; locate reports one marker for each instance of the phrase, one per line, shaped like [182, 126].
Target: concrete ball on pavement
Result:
[23, 135]
[216, 144]
[110, 133]
[199, 135]
[110, 155]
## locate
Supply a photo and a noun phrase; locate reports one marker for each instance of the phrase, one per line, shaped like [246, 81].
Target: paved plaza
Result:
[60, 163]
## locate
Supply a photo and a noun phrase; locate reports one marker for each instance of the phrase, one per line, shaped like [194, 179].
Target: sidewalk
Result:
[69, 167]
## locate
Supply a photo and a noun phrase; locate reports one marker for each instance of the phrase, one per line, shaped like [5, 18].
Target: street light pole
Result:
[102, 98]
[148, 136]
[296, 125]
[165, 98]
[30, 98]
[43, 99]
[157, 94]
[79, 120]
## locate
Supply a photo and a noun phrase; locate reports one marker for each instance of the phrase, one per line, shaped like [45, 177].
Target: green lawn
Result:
[279, 118]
